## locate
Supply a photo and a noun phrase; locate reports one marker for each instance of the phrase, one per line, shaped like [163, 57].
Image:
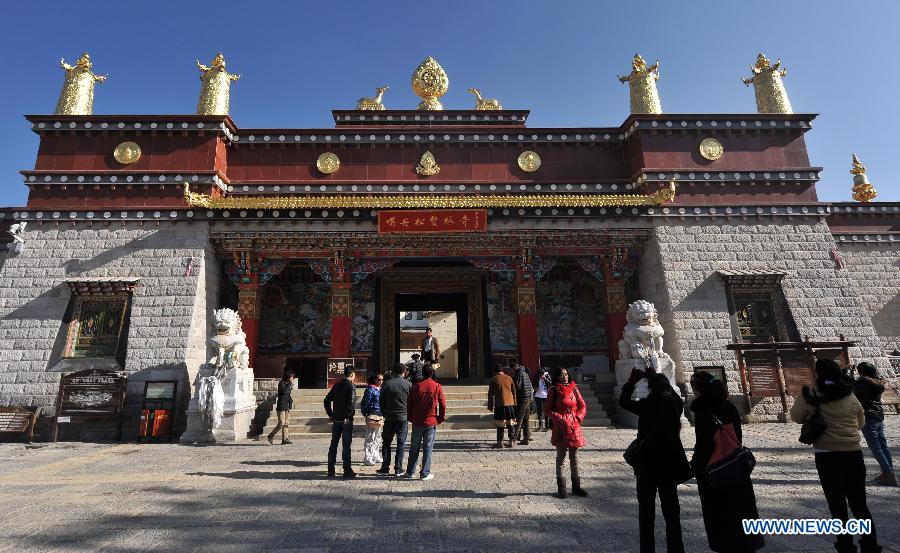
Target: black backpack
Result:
[815, 424]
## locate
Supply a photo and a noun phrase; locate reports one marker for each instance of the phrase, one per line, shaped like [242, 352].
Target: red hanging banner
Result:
[433, 220]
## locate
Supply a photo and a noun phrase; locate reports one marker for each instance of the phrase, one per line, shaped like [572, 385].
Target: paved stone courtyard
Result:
[244, 498]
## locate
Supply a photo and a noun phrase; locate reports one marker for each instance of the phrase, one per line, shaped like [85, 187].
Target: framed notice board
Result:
[335, 368]
[158, 411]
[89, 395]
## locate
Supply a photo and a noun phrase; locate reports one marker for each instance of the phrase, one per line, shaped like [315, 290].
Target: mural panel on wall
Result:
[362, 297]
[501, 315]
[296, 313]
[571, 314]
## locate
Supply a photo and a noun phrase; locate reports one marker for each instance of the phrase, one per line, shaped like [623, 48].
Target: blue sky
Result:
[559, 59]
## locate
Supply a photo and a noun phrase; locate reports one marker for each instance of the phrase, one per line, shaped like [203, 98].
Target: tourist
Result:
[567, 409]
[283, 406]
[661, 463]
[393, 399]
[723, 509]
[868, 389]
[426, 410]
[431, 350]
[837, 449]
[415, 367]
[339, 406]
[542, 383]
[502, 402]
[371, 410]
[524, 395]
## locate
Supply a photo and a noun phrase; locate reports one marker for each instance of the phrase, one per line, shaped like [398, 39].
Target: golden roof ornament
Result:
[430, 82]
[77, 94]
[642, 85]
[328, 163]
[862, 190]
[374, 103]
[771, 96]
[529, 161]
[428, 165]
[215, 87]
[482, 104]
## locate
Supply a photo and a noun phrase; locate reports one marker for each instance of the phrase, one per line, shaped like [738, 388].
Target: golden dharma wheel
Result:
[529, 161]
[328, 163]
[127, 153]
[711, 149]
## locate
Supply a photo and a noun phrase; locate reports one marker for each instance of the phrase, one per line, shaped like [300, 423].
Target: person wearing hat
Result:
[868, 389]
[838, 454]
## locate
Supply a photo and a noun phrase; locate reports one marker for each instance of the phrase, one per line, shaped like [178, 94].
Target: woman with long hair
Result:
[723, 509]
[566, 408]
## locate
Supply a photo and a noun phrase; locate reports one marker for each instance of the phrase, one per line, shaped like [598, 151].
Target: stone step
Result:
[323, 426]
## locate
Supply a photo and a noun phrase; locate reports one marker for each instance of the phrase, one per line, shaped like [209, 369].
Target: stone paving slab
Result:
[252, 497]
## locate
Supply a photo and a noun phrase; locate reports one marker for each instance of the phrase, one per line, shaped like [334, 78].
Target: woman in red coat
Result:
[566, 408]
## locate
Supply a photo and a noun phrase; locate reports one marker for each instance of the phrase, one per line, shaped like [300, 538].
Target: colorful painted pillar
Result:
[526, 319]
[248, 309]
[340, 319]
[616, 307]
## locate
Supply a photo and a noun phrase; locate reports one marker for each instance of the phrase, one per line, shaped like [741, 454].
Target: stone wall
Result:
[875, 269]
[168, 323]
[678, 273]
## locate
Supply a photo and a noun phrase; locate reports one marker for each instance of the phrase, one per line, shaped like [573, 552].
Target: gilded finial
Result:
[373, 103]
[428, 165]
[642, 85]
[771, 96]
[482, 104]
[430, 82]
[862, 190]
[215, 88]
[665, 194]
[77, 95]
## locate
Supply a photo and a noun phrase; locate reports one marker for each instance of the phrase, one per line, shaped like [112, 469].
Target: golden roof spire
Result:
[771, 96]
[642, 85]
[430, 82]
[215, 93]
[77, 94]
[862, 190]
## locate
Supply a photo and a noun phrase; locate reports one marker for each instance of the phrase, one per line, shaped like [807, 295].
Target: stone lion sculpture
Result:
[230, 341]
[643, 335]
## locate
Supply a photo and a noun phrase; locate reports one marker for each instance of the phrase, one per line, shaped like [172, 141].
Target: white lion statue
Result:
[230, 341]
[643, 335]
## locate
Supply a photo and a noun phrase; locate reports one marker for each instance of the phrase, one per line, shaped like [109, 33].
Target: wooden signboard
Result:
[797, 369]
[92, 393]
[335, 367]
[762, 374]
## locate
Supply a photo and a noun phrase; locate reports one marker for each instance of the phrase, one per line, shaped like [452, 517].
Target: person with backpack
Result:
[660, 463]
[832, 418]
[283, 406]
[524, 395]
[723, 509]
[371, 410]
[567, 409]
[868, 389]
[542, 383]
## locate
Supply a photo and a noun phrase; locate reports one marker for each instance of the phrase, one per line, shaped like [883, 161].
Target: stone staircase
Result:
[466, 410]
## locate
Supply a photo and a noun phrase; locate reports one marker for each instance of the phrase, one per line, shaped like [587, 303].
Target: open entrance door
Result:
[447, 316]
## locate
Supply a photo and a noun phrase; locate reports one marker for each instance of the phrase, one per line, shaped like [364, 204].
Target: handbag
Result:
[374, 422]
[634, 452]
[815, 424]
[730, 462]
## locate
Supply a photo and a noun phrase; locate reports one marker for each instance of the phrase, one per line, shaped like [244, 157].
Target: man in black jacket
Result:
[394, 394]
[283, 407]
[524, 395]
[339, 405]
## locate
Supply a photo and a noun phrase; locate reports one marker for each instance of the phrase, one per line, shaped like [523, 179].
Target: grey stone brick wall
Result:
[875, 269]
[169, 316]
[678, 273]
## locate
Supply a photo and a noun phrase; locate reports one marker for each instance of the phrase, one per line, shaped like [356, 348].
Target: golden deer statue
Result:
[373, 103]
[481, 103]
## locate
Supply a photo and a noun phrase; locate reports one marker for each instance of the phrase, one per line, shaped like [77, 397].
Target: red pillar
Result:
[248, 309]
[526, 325]
[340, 320]
[616, 307]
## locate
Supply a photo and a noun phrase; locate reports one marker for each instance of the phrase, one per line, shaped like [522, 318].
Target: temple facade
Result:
[537, 239]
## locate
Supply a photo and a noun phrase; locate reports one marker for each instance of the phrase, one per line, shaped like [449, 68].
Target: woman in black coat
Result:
[723, 510]
[661, 463]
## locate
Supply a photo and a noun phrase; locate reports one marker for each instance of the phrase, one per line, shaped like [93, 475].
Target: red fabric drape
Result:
[529, 355]
[615, 328]
[250, 326]
[340, 337]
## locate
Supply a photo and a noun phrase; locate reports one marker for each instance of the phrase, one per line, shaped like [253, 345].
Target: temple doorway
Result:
[447, 317]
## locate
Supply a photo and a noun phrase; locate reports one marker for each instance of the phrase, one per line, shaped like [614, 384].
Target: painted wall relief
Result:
[502, 315]
[570, 311]
[296, 313]
[362, 298]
